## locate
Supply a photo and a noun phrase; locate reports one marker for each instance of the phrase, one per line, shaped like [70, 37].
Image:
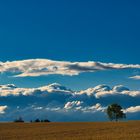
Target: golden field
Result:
[71, 131]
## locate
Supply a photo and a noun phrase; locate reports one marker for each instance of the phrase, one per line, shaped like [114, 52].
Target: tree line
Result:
[20, 120]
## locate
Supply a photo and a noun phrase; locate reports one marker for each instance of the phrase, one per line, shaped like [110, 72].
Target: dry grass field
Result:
[71, 131]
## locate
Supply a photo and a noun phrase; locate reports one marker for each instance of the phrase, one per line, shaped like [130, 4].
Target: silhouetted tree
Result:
[37, 120]
[46, 120]
[20, 120]
[115, 112]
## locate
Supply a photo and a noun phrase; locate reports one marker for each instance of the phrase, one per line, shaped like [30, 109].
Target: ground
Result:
[71, 131]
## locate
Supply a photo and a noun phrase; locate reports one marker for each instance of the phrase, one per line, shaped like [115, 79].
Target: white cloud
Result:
[57, 89]
[132, 109]
[137, 77]
[112, 92]
[94, 108]
[38, 67]
[10, 89]
[73, 104]
[6, 90]
[80, 106]
[2, 109]
[104, 90]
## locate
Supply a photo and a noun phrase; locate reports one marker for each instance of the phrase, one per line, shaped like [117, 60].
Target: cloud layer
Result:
[59, 103]
[38, 67]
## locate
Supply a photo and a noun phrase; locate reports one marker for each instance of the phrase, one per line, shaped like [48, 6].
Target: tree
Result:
[115, 112]
[19, 120]
[37, 120]
[46, 120]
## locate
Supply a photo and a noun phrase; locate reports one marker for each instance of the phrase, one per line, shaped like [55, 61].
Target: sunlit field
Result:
[71, 131]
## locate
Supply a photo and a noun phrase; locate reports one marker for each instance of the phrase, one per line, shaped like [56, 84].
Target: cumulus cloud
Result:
[137, 77]
[11, 89]
[132, 109]
[104, 91]
[94, 108]
[113, 93]
[38, 67]
[57, 100]
[73, 104]
[55, 88]
[2, 109]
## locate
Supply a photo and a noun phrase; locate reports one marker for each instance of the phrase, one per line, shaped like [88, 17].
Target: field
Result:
[71, 131]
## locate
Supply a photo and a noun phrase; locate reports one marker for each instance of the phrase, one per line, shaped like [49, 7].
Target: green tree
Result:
[114, 112]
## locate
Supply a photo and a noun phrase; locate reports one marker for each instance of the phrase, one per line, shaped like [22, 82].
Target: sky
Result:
[73, 32]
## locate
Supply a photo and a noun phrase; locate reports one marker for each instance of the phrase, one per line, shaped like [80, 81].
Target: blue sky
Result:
[75, 31]
[106, 31]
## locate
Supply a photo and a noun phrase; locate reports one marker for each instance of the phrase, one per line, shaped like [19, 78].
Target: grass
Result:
[71, 131]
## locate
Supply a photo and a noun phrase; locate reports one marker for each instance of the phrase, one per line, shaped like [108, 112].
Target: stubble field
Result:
[71, 131]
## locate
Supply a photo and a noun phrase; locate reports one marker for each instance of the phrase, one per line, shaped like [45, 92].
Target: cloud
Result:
[73, 104]
[39, 67]
[132, 109]
[55, 88]
[105, 91]
[12, 90]
[137, 77]
[60, 103]
[2, 109]
[117, 93]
